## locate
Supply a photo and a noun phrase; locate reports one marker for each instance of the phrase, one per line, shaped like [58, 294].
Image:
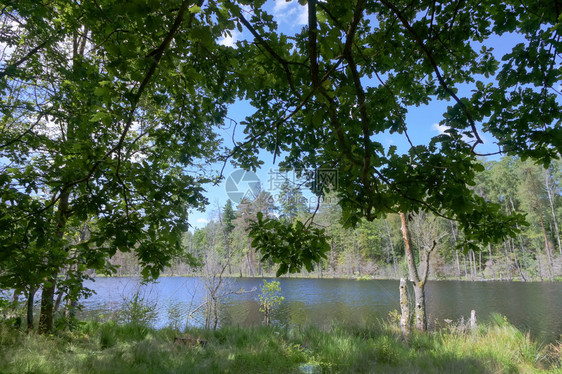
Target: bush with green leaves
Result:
[269, 299]
[139, 309]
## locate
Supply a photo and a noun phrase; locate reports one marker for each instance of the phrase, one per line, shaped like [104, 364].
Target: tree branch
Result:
[268, 48]
[312, 46]
[435, 67]
[28, 55]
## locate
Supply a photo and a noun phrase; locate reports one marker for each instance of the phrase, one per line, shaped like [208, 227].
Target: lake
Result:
[534, 307]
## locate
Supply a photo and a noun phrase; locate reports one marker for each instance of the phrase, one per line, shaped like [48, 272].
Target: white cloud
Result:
[290, 13]
[442, 128]
[280, 6]
[230, 40]
[439, 128]
[202, 220]
[302, 19]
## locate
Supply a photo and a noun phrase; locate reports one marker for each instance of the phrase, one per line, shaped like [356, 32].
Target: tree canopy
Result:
[327, 94]
[110, 110]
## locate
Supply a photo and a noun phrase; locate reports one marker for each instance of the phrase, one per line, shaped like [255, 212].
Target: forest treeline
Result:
[375, 249]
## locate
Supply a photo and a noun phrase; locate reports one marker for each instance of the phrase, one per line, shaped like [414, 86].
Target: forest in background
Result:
[375, 249]
[114, 114]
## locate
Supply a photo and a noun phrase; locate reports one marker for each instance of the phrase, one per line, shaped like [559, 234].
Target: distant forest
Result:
[375, 249]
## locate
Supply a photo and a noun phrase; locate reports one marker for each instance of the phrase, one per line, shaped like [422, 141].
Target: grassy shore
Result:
[111, 348]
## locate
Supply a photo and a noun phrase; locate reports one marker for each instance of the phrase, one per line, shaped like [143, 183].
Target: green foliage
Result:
[110, 112]
[139, 309]
[292, 246]
[229, 216]
[269, 298]
[292, 202]
[359, 80]
[100, 131]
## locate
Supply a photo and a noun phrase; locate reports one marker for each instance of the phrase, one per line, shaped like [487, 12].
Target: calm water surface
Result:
[534, 307]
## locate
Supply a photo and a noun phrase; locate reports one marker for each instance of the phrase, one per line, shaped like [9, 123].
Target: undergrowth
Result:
[95, 347]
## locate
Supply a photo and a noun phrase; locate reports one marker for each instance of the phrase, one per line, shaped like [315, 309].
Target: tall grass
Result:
[133, 348]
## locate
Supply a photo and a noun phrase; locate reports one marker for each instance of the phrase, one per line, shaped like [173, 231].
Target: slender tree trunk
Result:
[58, 301]
[61, 291]
[15, 297]
[226, 244]
[250, 269]
[228, 258]
[458, 264]
[508, 259]
[456, 250]
[419, 284]
[420, 315]
[404, 308]
[541, 220]
[480, 265]
[46, 318]
[552, 210]
[471, 264]
[357, 255]
[465, 268]
[491, 260]
[475, 264]
[394, 264]
[227, 249]
[30, 300]
[539, 265]
[517, 263]
[547, 248]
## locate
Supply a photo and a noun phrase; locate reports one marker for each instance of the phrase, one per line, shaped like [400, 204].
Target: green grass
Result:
[112, 348]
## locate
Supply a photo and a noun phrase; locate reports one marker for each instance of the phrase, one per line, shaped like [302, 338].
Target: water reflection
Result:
[534, 307]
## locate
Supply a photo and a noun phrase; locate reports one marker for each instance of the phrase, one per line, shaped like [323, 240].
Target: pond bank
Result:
[111, 348]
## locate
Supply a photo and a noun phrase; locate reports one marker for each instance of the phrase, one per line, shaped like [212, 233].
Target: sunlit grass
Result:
[112, 348]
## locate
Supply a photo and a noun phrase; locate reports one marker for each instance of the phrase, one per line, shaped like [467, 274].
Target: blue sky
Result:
[423, 121]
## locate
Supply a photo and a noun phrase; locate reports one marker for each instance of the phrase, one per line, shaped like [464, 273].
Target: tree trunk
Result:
[404, 308]
[471, 265]
[539, 265]
[15, 298]
[420, 315]
[516, 260]
[58, 301]
[46, 320]
[458, 265]
[545, 236]
[456, 250]
[419, 284]
[480, 265]
[491, 260]
[475, 264]
[465, 269]
[250, 269]
[226, 244]
[552, 210]
[547, 248]
[508, 259]
[30, 299]
[394, 264]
